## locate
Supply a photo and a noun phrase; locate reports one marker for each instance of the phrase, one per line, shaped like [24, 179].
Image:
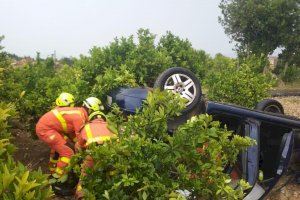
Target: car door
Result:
[262, 187]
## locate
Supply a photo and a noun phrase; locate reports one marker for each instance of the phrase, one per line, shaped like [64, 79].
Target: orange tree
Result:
[16, 181]
[238, 84]
[144, 59]
[148, 163]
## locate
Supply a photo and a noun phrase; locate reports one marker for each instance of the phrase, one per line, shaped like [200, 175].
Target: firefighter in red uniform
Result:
[64, 122]
[96, 131]
[64, 100]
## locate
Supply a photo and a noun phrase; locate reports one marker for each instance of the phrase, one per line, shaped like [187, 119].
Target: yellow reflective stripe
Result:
[65, 159]
[88, 131]
[53, 160]
[105, 138]
[59, 171]
[61, 120]
[70, 112]
[98, 139]
[79, 188]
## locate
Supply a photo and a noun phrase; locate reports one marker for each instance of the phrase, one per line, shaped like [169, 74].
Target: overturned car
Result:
[277, 135]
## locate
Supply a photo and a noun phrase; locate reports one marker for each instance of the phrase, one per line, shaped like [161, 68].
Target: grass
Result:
[287, 87]
[295, 86]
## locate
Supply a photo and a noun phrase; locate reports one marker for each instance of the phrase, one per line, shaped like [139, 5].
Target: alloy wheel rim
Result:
[183, 85]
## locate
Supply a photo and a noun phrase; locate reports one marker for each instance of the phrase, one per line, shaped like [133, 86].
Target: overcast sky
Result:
[72, 27]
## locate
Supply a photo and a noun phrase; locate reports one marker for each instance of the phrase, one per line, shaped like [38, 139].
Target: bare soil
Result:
[31, 152]
[34, 154]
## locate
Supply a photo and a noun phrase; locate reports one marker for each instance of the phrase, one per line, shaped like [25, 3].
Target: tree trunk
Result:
[285, 68]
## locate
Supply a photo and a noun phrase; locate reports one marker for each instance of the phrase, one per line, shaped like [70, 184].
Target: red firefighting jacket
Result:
[65, 120]
[94, 131]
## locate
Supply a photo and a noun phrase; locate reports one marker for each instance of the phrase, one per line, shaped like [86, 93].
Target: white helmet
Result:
[93, 103]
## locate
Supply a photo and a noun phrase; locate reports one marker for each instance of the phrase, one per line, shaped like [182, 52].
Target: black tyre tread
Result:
[159, 83]
[262, 105]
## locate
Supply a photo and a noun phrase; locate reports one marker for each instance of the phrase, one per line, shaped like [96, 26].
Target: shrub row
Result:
[16, 181]
[148, 163]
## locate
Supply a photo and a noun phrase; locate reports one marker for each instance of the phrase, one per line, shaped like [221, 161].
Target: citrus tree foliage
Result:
[221, 62]
[287, 73]
[238, 85]
[3, 56]
[184, 55]
[256, 63]
[35, 87]
[67, 79]
[291, 74]
[264, 25]
[148, 163]
[16, 181]
[111, 79]
[144, 59]
[3, 61]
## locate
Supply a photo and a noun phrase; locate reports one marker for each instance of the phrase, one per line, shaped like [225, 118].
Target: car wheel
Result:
[182, 81]
[270, 105]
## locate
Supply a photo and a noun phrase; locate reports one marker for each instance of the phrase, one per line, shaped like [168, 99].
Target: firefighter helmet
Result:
[93, 104]
[65, 99]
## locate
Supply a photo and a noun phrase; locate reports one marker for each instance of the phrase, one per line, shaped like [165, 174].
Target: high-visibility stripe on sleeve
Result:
[59, 171]
[65, 159]
[88, 131]
[79, 187]
[70, 112]
[53, 160]
[60, 119]
[98, 139]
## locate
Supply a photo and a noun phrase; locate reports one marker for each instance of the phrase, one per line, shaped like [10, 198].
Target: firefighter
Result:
[61, 123]
[96, 131]
[64, 100]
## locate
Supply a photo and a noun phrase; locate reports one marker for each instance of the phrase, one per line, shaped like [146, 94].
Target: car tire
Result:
[182, 81]
[270, 105]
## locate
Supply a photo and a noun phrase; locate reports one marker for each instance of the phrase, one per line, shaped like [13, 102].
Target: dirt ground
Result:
[291, 105]
[34, 154]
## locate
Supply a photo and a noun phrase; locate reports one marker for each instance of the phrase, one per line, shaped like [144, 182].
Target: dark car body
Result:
[276, 135]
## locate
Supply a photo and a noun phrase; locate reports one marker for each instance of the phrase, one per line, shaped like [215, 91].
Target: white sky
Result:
[72, 27]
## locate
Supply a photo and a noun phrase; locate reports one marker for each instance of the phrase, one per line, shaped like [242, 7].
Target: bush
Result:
[221, 62]
[238, 85]
[4, 61]
[35, 87]
[16, 181]
[144, 59]
[256, 63]
[111, 79]
[291, 74]
[147, 163]
[184, 55]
